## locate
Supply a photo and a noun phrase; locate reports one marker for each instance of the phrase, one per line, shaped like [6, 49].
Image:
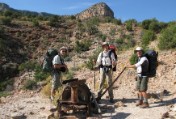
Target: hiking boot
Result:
[140, 102]
[111, 100]
[144, 105]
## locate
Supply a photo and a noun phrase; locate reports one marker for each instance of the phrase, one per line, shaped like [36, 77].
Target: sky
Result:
[162, 10]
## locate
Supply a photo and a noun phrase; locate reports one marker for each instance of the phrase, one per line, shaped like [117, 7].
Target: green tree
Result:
[168, 38]
[35, 23]
[147, 37]
[6, 21]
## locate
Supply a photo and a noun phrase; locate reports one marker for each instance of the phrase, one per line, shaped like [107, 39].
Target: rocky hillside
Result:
[97, 10]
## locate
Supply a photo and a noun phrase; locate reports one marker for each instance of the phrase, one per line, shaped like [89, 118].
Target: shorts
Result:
[56, 80]
[142, 84]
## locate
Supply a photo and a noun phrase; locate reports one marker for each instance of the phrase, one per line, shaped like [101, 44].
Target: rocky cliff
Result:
[98, 10]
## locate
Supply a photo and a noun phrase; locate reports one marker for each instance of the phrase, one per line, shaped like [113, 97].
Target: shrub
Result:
[35, 23]
[8, 13]
[112, 32]
[102, 37]
[133, 59]
[29, 84]
[147, 37]
[168, 38]
[90, 63]
[130, 23]
[117, 21]
[4, 83]
[153, 25]
[29, 65]
[4, 94]
[6, 21]
[125, 43]
[82, 46]
[54, 21]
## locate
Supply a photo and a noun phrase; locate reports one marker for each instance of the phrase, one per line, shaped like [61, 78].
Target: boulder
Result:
[18, 116]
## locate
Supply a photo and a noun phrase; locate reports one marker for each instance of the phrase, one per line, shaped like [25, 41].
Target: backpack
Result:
[152, 56]
[47, 62]
[112, 49]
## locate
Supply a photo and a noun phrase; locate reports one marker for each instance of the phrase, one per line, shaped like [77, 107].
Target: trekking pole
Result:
[99, 97]
[94, 80]
[94, 62]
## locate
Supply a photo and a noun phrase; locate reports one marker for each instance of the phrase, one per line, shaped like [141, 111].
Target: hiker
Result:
[59, 66]
[142, 79]
[106, 62]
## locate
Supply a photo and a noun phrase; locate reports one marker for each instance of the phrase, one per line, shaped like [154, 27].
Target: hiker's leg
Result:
[55, 83]
[102, 80]
[144, 86]
[109, 81]
[140, 98]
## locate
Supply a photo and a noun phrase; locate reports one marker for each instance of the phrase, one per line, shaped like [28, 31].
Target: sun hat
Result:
[138, 49]
[64, 48]
[105, 43]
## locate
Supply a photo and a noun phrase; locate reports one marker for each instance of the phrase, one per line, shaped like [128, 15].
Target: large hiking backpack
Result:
[113, 50]
[152, 56]
[47, 63]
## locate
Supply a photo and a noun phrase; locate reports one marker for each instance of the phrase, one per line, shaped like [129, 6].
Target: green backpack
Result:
[47, 63]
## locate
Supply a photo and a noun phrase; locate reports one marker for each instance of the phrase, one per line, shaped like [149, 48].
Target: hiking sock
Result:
[145, 100]
[140, 98]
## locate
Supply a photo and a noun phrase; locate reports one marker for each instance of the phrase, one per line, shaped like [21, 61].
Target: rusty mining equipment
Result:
[76, 97]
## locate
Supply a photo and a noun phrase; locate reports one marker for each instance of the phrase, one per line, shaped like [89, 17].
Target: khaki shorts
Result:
[56, 80]
[142, 84]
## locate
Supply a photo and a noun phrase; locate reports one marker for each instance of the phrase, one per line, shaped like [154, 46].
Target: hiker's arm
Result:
[142, 60]
[98, 62]
[57, 66]
[114, 61]
[131, 66]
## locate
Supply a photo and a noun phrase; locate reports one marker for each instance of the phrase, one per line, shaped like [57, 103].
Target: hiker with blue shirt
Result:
[58, 66]
[142, 67]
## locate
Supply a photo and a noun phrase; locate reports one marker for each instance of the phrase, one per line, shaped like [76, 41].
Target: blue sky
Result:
[163, 10]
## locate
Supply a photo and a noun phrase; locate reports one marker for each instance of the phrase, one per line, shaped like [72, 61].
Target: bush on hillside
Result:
[29, 84]
[168, 38]
[130, 23]
[147, 37]
[54, 21]
[29, 65]
[82, 46]
[92, 59]
[117, 21]
[35, 23]
[125, 43]
[133, 59]
[6, 21]
[153, 25]
[102, 37]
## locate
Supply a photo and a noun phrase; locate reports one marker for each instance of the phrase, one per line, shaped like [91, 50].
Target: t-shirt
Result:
[140, 63]
[104, 59]
[57, 60]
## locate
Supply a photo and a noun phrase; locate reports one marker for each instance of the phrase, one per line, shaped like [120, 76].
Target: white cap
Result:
[63, 48]
[138, 49]
[105, 43]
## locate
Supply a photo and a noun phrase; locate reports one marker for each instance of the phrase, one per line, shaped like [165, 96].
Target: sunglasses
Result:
[64, 51]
